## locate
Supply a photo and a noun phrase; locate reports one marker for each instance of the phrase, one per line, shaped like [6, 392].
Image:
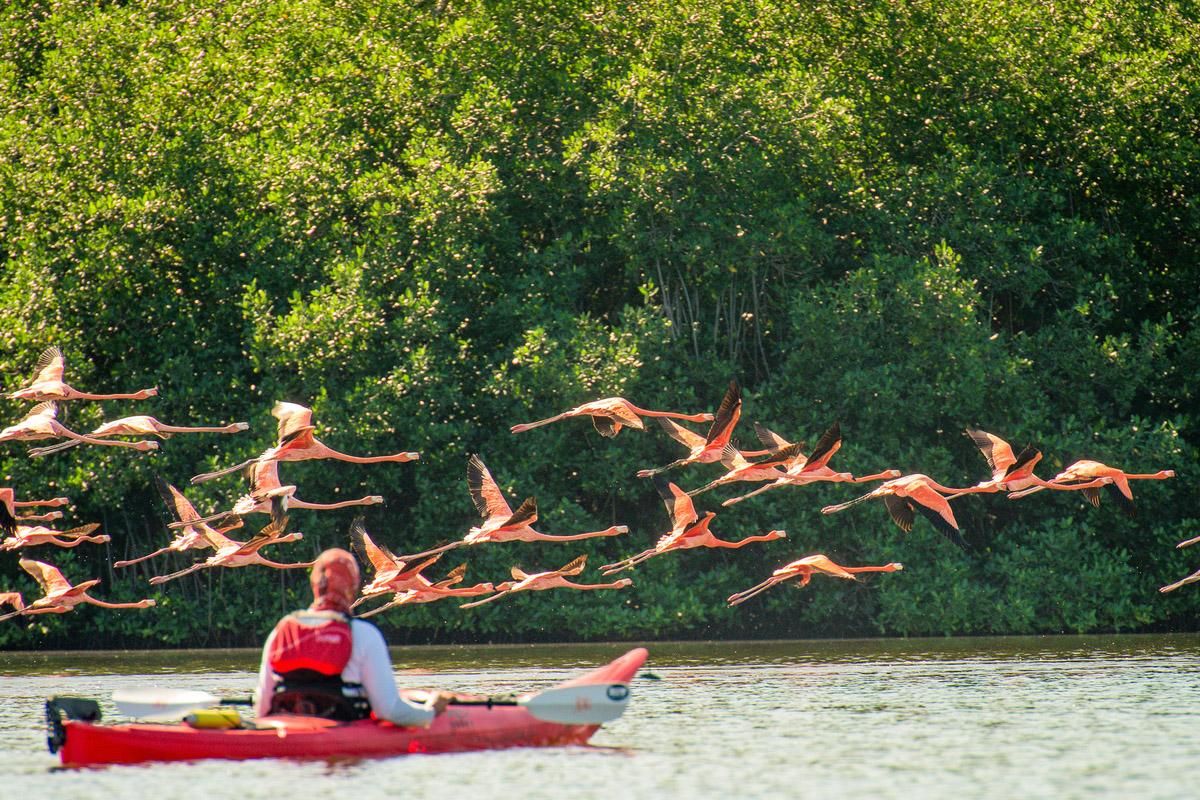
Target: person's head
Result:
[334, 580]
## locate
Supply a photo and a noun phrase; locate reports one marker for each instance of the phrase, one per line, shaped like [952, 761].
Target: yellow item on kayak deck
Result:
[214, 718]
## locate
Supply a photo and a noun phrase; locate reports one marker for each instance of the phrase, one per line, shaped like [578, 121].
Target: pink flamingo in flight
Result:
[296, 443]
[688, 530]
[48, 383]
[804, 569]
[553, 579]
[609, 415]
[708, 449]
[59, 596]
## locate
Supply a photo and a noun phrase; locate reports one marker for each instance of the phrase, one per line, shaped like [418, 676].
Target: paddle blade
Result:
[590, 704]
[161, 705]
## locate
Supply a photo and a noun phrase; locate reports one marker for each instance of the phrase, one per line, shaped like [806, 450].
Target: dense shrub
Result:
[429, 221]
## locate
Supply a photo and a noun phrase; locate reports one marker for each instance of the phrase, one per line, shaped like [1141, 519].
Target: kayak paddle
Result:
[165, 705]
[589, 704]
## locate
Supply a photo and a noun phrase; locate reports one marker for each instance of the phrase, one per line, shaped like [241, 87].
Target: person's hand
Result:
[438, 701]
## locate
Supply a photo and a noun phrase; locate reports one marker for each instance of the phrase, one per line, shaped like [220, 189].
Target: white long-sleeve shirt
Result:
[370, 665]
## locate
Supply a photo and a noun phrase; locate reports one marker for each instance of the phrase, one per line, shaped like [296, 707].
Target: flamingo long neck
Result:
[878, 476]
[140, 559]
[547, 537]
[41, 517]
[884, 568]
[87, 598]
[328, 452]
[955, 492]
[672, 414]
[566, 584]
[234, 428]
[141, 395]
[766, 537]
[68, 543]
[363, 501]
[266, 562]
[57, 501]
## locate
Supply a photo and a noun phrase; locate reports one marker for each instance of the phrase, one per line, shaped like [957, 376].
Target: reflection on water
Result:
[986, 717]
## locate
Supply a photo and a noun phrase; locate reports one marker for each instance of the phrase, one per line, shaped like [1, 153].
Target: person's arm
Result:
[373, 665]
[266, 681]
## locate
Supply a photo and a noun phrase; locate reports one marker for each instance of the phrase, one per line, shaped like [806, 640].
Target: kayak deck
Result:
[466, 727]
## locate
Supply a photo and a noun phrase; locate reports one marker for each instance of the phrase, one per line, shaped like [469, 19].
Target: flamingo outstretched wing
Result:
[48, 577]
[180, 505]
[687, 438]
[294, 420]
[727, 413]
[574, 567]
[829, 443]
[50, 365]
[486, 494]
[770, 439]
[679, 505]
[380, 558]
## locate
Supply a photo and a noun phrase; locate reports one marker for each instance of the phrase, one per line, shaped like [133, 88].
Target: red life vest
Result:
[311, 640]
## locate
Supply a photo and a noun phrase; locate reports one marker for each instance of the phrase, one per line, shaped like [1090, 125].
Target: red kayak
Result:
[83, 742]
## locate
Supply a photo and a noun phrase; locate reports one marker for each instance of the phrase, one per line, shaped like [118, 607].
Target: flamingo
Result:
[296, 443]
[48, 383]
[49, 516]
[239, 554]
[8, 511]
[501, 523]
[392, 573]
[438, 591]
[59, 596]
[820, 475]
[804, 569]
[193, 535]
[540, 581]
[268, 496]
[40, 423]
[1087, 475]
[13, 599]
[802, 470]
[610, 414]
[915, 492]
[141, 426]
[708, 449]
[1012, 473]
[1195, 576]
[8, 497]
[30, 536]
[1009, 472]
[687, 530]
[741, 469]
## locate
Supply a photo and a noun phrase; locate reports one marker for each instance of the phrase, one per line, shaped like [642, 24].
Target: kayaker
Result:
[320, 662]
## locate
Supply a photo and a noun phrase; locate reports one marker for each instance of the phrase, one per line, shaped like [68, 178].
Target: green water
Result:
[960, 718]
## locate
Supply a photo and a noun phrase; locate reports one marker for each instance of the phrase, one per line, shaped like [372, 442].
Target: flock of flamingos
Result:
[399, 578]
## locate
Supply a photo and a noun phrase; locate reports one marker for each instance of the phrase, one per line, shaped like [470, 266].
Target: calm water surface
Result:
[960, 718]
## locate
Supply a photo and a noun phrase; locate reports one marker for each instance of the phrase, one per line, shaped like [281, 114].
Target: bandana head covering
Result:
[334, 581]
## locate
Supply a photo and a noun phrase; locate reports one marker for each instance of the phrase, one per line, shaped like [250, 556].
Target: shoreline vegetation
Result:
[429, 222]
